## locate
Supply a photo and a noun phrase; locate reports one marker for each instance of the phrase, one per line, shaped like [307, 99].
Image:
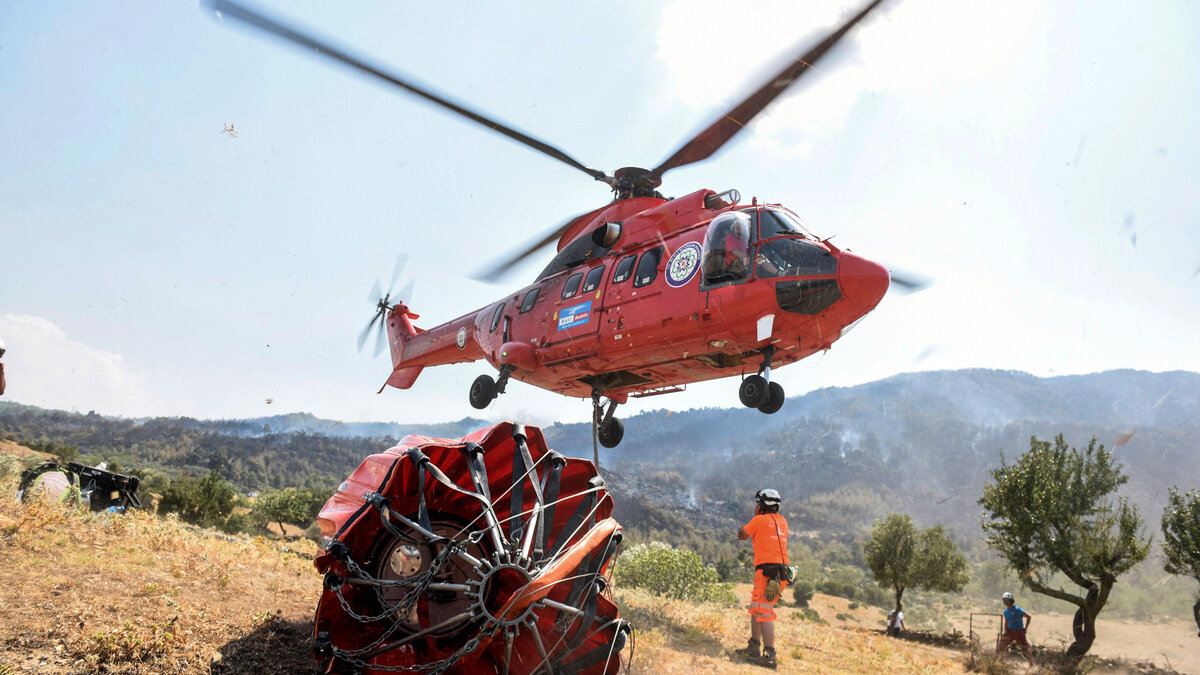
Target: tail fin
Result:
[400, 330]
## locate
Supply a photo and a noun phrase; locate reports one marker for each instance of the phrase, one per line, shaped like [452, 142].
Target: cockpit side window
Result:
[726, 257]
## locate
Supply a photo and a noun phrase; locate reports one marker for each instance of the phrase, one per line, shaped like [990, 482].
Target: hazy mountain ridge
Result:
[919, 442]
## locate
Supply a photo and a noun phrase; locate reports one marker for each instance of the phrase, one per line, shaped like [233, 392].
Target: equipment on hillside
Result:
[95, 486]
[645, 294]
[488, 553]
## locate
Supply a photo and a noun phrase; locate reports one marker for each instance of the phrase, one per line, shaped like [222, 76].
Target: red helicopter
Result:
[646, 294]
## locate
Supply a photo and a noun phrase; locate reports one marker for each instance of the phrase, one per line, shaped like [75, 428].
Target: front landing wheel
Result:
[611, 432]
[483, 392]
[753, 391]
[775, 398]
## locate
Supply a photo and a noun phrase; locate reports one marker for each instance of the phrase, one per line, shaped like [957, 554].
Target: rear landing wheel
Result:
[483, 392]
[611, 432]
[775, 398]
[753, 391]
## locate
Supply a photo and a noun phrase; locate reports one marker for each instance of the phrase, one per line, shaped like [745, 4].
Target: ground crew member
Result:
[1, 368]
[1016, 622]
[769, 532]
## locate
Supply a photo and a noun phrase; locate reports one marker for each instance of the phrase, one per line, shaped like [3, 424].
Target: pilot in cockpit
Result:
[728, 255]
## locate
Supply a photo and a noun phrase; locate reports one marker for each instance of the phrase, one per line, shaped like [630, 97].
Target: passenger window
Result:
[496, 316]
[593, 279]
[624, 268]
[572, 286]
[530, 298]
[647, 267]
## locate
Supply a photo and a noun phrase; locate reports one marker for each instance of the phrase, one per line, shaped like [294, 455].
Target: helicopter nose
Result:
[862, 281]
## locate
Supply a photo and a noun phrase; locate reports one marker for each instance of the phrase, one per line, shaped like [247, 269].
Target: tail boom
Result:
[414, 348]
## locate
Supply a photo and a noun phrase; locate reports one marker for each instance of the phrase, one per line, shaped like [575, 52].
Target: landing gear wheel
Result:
[611, 432]
[753, 391]
[483, 392]
[774, 402]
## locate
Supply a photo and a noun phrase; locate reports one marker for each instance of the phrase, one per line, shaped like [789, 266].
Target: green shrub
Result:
[675, 573]
[808, 614]
[802, 592]
[205, 501]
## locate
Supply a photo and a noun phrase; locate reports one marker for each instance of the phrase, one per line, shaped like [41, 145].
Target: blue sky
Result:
[1038, 160]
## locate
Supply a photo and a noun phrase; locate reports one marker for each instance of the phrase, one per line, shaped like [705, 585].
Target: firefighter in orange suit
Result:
[769, 532]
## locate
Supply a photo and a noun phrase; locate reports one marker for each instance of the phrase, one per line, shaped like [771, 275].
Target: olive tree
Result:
[1181, 538]
[290, 505]
[1053, 511]
[902, 557]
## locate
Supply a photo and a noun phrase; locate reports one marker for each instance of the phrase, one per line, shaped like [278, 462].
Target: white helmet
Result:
[1, 347]
[767, 497]
[1007, 596]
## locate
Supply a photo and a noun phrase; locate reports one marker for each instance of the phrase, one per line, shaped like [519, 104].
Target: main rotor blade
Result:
[906, 282]
[728, 125]
[493, 273]
[225, 8]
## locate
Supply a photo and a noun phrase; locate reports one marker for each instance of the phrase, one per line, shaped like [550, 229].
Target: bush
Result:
[675, 573]
[205, 501]
[236, 523]
[802, 592]
[808, 614]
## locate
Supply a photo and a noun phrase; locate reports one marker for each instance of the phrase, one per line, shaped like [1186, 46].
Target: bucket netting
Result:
[488, 554]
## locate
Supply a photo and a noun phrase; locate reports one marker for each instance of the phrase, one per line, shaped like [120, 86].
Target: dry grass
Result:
[140, 594]
[683, 637]
[91, 593]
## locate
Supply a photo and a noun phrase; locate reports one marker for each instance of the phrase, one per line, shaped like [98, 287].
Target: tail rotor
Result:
[383, 304]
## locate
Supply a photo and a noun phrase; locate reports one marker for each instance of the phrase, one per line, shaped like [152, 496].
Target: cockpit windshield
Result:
[775, 223]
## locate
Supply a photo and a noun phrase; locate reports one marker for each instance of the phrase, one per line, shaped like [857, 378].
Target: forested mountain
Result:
[921, 443]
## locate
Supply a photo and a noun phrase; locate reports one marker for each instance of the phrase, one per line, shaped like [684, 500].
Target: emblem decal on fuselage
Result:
[575, 315]
[682, 265]
[461, 338]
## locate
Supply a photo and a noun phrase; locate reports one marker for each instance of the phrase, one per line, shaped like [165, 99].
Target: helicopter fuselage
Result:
[647, 295]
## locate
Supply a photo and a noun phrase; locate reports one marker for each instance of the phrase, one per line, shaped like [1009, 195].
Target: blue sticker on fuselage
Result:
[575, 315]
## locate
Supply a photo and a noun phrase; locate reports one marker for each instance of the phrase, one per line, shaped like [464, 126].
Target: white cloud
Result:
[716, 51]
[46, 368]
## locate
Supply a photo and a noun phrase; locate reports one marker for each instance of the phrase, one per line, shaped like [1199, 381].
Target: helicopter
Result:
[645, 294]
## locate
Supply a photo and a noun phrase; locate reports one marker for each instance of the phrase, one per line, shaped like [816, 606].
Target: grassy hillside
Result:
[142, 594]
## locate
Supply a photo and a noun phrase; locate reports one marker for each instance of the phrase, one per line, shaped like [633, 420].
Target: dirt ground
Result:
[1167, 644]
